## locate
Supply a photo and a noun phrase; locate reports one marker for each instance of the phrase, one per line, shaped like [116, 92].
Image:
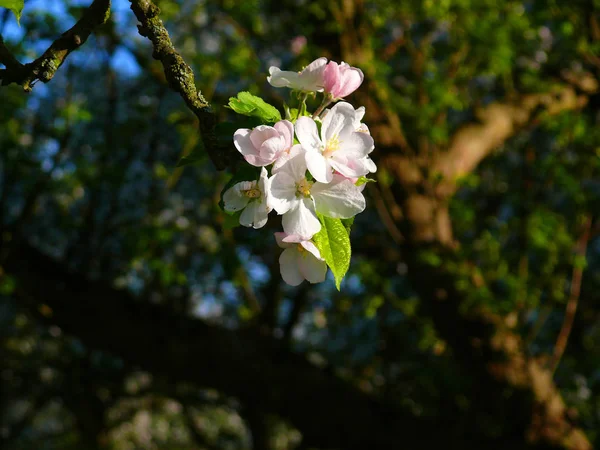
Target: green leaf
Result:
[251, 105]
[348, 224]
[16, 6]
[333, 243]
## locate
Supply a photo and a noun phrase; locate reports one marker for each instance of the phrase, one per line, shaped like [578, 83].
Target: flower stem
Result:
[302, 105]
[326, 101]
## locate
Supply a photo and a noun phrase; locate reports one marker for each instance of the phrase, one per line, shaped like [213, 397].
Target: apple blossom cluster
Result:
[311, 169]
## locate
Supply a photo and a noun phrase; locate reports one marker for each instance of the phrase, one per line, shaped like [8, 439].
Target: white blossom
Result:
[250, 197]
[299, 199]
[300, 260]
[337, 147]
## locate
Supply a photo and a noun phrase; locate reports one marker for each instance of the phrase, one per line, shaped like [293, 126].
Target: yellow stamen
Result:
[331, 146]
[252, 193]
[303, 187]
[300, 248]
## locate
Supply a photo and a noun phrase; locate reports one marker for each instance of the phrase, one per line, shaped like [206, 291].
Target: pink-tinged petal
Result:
[282, 192]
[295, 238]
[340, 199]
[280, 78]
[234, 200]
[280, 162]
[241, 140]
[349, 168]
[272, 148]
[350, 80]
[313, 270]
[301, 219]
[317, 66]
[286, 130]
[311, 77]
[312, 248]
[261, 133]
[318, 166]
[307, 133]
[337, 121]
[279, 238]
[331, 75]
[288, 267]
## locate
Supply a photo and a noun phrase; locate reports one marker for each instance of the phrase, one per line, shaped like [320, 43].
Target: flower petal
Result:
[311, 77]
[288, 267]
[313, 270]
[358, 115]
[370, 165]
[243, 143]
[312, 248]
[261, 133]
[318, 166]
[302, 219]
[279, 238]
[338, 199]
[233, 198]
[286, 130]
[247, 217]
[350, 168]
[281, 78]
[307, 133]
[282, 192]
[272, 148]
[331, 76]
[294, 238]
[340, 117]
[350, 80]
[356, 145]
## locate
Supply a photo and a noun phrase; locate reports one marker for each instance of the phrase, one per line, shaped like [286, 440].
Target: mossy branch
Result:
[180, 76]
[44, 67]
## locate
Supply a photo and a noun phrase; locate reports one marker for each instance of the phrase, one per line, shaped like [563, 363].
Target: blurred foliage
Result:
[89, 174]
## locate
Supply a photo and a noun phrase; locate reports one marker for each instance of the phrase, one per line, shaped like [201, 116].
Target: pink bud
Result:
[342, 79]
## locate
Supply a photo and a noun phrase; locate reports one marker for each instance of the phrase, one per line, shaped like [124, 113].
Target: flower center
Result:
[301, 249]
[331, 146]
[303, 187]
[251, 190]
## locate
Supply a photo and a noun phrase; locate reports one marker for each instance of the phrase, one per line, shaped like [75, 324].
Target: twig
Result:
[180, 78]
[571, 309]
[44, 67]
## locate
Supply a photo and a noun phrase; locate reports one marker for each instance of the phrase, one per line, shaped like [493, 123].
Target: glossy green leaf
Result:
[333, 243]
[250, 105]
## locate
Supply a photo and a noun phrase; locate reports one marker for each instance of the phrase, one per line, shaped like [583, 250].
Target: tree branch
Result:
[571, 309]
[44, 67]
[180, 77]
[497, 123]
